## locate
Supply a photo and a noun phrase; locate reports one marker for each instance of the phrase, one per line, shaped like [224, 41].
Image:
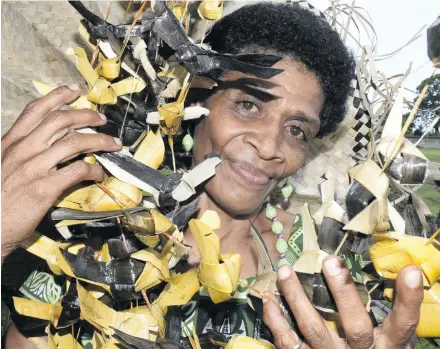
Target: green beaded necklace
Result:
[277, 226]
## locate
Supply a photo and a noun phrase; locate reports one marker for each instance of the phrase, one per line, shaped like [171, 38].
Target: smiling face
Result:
[261, 129]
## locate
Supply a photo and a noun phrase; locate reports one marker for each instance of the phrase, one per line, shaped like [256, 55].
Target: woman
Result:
[261, 129]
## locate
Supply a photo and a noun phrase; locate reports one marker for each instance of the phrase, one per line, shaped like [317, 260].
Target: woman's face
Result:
[261, 130]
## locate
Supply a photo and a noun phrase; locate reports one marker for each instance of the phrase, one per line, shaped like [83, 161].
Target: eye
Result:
[248, 106]
[296, 132]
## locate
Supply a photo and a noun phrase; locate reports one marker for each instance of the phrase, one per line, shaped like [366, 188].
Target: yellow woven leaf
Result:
[218, 273]
[109, 68]
[179, 289]
[429, 322]
[161, 222]
[151, 151]
[66, 341]
[37, 309]
[240, 342]
[105, 318]
[93, 198]
[211, 9]
[45, 248]
[156, 266]
[211, 218]
[392, 251]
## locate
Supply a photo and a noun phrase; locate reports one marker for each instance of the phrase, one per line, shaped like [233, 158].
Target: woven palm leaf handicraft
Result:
[120, 288]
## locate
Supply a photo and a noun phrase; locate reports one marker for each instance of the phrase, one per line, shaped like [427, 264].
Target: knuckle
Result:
[283, 340]
[74, 140]
[32, 108]
[79, 169]
[57, 116]
[314, 331]
[406, 328]
[61, 90]
[10, 156]
[104, 139]
[360, 334]
[39, 190]
[27, 171]
[8, 185]
[90, 114]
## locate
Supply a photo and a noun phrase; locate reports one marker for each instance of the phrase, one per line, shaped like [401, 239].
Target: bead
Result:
[277, 227]
[285, 201]
[242, 286]
[287, 191]
[280, 236]
[283, 261]
[281, 246]
[282, 255]
[187, 142]
[274, 219]
[271, 212]
[188, 154]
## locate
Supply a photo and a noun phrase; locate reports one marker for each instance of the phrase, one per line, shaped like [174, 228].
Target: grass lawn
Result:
[431, 154]
[431, 197]
[429, 192]
[425, 344]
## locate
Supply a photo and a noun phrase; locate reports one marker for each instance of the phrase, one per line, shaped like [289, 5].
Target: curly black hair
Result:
[292, 31]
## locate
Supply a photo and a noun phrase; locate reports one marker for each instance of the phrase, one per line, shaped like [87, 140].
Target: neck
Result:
[234, 234]
[232, 229]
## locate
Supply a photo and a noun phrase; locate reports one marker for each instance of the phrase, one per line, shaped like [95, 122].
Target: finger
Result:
[55, 126]
[69, 147]
[37, 110]
[310, 323]
[55, 184]
[285, 336]
[401, 323]
[355, 320]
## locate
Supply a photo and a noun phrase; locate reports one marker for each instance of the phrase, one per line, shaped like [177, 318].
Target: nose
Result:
[266, 137]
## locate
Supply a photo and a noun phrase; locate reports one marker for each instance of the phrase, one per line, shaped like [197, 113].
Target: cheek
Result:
[296, 157]
[214, 133]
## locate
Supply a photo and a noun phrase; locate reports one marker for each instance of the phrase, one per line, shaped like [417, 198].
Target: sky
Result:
[396, 22]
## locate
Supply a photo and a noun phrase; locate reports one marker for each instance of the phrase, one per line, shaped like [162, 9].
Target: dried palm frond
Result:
[219, 273]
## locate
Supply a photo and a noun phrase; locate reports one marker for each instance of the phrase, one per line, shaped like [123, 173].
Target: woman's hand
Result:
[31, 150]
[397, 331]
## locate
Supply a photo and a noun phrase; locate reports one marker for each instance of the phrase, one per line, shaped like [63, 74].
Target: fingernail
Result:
[103, 117]
[333, 266]
[284, 272]
[73, 87]
[413, 278]
[117, 141]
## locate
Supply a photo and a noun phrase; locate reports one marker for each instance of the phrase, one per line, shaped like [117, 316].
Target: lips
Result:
[249, 173]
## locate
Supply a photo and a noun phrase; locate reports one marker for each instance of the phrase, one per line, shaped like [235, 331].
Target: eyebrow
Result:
[301, 116]
[259, 89]
[255, 87]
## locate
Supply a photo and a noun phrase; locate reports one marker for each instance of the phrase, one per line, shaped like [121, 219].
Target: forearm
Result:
[14, 339]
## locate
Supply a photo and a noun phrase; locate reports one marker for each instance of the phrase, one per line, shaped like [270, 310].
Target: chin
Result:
[235, 200]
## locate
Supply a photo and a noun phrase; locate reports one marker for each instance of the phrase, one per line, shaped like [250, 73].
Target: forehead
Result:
[296, 88]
